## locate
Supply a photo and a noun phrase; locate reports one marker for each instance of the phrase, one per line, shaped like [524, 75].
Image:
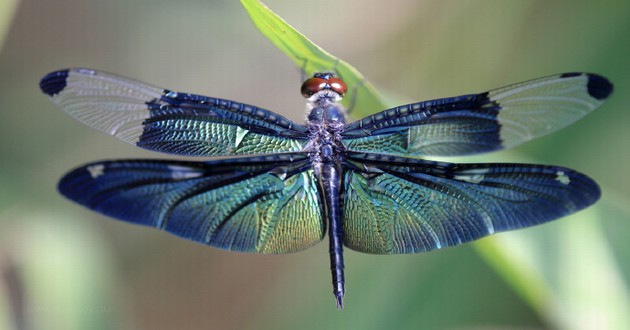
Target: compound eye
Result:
[338, 86]
[312, 86]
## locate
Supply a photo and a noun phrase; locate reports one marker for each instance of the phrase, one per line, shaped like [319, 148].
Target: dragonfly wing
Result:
[402, 205]
[476, 123]
[162, 120]
[266, 204]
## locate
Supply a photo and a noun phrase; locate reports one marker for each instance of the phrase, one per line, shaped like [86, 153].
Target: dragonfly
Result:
[364, 182]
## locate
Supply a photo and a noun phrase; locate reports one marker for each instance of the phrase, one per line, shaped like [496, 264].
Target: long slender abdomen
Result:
[330, 185]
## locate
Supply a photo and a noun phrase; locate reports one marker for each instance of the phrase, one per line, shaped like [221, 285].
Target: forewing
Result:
[476, 123]
[176, 123]
[266, 204]
[401, 205]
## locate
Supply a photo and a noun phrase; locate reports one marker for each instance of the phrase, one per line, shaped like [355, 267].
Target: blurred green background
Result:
[64, 267]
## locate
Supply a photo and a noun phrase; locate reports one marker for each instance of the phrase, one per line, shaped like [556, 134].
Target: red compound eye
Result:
[312, 86]
[337, 85]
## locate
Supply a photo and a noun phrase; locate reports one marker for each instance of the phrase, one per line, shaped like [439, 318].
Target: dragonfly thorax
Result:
[325, 124]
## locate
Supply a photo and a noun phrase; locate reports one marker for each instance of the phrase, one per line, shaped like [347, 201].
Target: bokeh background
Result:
[64, 267]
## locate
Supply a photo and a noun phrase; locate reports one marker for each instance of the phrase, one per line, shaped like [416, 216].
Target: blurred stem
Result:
[14, 312]
[8, 9]
[578, 285]
[521, 276]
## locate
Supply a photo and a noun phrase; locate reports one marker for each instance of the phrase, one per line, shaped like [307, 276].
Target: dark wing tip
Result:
[598, 87]
[54, 82]
[69, 185]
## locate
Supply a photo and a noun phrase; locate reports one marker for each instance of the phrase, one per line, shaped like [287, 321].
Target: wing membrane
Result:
[476, 123]
[401, 205]
[266, 204]
[161, 120]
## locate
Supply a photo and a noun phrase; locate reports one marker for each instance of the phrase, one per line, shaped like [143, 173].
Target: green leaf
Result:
[362, 98]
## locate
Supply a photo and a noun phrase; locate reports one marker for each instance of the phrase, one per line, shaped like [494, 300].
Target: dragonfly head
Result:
[324, 81]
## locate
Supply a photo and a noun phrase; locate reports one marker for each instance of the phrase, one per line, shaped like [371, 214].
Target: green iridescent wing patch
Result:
[157, 119]
[402, 205]
[476, 123]
[266, 204]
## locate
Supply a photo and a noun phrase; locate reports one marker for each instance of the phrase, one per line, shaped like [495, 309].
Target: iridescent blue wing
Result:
[177, 123]
[477, 123]
[402, 205]
[265, 204]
